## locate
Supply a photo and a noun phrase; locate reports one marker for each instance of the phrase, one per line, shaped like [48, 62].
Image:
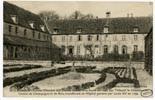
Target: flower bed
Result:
[25, 67]
[86, 85]
[117, 71]
[10, 65]
[28, 79]
[25, 79]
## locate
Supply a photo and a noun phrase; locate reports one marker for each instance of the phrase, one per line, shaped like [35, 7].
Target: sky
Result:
[99, 8]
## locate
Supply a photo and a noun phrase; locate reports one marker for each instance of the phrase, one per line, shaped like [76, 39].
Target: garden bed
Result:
[20, 68]
[28, 79]
[123, 75]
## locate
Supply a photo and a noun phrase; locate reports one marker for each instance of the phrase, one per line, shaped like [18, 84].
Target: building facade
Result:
[97, 37]
[78, 44]
[25, 35]
[149, 52]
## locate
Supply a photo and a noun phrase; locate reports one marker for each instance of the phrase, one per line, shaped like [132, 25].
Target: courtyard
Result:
[85, 75]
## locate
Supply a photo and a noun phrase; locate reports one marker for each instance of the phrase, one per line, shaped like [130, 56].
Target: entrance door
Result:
[70, 51]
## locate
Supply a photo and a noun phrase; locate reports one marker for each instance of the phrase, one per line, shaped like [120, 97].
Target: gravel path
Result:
[58, 82]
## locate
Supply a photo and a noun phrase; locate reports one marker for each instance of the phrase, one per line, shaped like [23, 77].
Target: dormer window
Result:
[14, 19]
[135, 29]
[31, 25]
[106, 29]
[55, 31]
[79, 30]
[42, 27]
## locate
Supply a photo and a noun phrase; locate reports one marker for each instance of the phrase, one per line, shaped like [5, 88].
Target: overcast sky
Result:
[65, 8]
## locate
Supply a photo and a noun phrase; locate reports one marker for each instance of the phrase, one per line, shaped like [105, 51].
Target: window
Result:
[31, 25]
[79, 38]
[38, 35]
[96, 49]
[106, 30]
[55, 30]
[10, 28]
[70, 38]
[51, 38]
[106, 36]
[105, 49]
[135, 37]
[78, 50]
[63, 38]
[33, 33]
[16, 30]
[47, 37]
[124, 49]
[54, 39]
[25, 32]
[135, 48]
[79, 30]
[115, 49]
[14, 19]
[89, 37]
[123, 37]
[135, 30]
[44, 37]
[115, 38]
[62, 48]
[42, 27]
[97, 38]
[70, 50]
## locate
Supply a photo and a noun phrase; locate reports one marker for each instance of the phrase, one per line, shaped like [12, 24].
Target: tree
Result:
[49, 15]
[79, 15]
[76, 15]
[88, 16]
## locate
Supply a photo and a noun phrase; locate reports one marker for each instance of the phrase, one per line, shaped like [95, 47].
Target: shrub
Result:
[138, 56]
[105, 57]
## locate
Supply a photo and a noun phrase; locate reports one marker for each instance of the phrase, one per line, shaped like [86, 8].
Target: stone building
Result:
[149, 52]
[97, 37]
[25, 35]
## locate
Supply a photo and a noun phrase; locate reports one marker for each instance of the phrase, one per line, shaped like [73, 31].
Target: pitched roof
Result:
[116, 25]
[26, 42]
[24, 17]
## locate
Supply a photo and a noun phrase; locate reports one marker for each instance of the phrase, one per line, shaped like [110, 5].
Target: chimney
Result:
[108, 18]
[108, 14]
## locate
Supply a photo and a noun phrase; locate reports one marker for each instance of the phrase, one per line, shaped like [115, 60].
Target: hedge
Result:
[34, 76]
[8, 65]
[28, 79]
[25, 67]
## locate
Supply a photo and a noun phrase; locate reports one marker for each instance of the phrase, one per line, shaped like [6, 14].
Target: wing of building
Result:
[149, 52]
[25, 35]
[102, 38]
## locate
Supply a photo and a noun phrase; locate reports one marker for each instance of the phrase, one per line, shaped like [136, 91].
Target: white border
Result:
[71, 98]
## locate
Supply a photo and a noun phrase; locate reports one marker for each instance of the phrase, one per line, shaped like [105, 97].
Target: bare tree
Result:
[76, 15]
[88, 16]
[79, 15]
[49, 15]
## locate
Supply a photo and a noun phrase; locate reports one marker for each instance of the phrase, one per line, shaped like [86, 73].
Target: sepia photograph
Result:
[77, 48]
